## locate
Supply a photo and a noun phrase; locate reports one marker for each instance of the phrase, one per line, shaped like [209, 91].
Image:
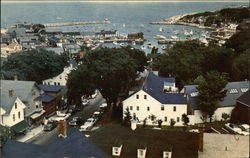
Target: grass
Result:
[183, 144]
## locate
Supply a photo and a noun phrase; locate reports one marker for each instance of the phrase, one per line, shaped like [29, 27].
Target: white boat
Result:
[191, 32]
[59, 18]
[174, 37]
[122, 45]
[115, 43]
[142, 25]
[133, 43]
[159, 37]
[161, 29]
[163, 47]
[186, 33]
[143, 47]
[124, 25]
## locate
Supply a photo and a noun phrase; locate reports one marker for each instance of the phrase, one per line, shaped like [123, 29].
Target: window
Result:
[148, 108]
[58, 83]
[244, 89]
[233, 91]
[37, 106]
[131, 107]
[19, 114]
[141, 152]
[15, 105]
[174, 108]
[54, 83]
[165, 119]
[137, 108]
[178, 119]
[137, 96]
[145, 96]
[162, 108]
[14, 117]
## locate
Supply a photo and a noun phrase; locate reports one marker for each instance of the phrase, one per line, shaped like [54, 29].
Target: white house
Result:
[62, 78]
[234, 91]
[30, 95]
[12, 112]
[153, 102]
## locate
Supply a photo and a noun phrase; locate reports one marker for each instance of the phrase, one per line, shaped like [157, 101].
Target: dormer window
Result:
[244, 89]
[233, 91]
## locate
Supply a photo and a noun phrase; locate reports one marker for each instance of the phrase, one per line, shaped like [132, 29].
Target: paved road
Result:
[45, 138]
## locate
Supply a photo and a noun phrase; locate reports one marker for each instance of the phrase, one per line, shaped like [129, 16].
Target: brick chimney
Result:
[201, 137]
[63, 128]
[11, 93]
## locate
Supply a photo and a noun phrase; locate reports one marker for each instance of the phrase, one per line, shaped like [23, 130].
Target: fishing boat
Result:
[122, 45]
[143, 47]
[159, 37]
[174, 37]
[161, 29]
[115, 43]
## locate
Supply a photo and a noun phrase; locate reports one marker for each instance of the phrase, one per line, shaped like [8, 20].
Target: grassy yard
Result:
[183, 144]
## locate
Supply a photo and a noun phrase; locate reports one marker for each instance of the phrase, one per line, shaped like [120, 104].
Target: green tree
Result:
[110, 70]
[172, 122]
[225, 116]
[211, 91]
[127, 118]
[5, 134]
[34, 65]
[185, 119]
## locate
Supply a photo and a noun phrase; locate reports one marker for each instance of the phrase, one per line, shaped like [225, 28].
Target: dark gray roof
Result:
[74, 146]
[245, 98]
[21, 89]
[154, 87]
[235, 90]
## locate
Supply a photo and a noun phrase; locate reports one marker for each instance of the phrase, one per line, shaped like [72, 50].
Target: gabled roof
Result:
[154, 87]
[74, 146]
[234, 91]
[47, 98]
[245, 98]
[50, 88]
[21, 90]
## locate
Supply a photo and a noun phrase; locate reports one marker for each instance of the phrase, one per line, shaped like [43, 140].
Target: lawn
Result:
[183, 144]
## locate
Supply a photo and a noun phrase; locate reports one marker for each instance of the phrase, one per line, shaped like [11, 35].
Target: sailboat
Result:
[161, 29]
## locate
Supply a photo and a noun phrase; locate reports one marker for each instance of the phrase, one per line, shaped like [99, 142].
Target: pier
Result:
[137, 41]
[76, 23]
[170, 41]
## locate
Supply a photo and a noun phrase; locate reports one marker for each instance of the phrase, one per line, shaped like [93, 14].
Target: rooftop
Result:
[234, 91]
[184, 144]
[154, 86]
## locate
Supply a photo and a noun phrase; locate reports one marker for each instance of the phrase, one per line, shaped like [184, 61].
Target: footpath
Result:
[30, 134]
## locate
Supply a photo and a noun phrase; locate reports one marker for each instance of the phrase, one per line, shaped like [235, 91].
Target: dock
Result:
[76, 23]
[137, 41]
[169, 41]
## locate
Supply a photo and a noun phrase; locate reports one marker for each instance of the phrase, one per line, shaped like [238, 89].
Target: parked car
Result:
[50, 125]
[75, 121]
[88, 124]
[95, 94]
[237, 129]
[72, 110]
[85, 102]
[96, 115]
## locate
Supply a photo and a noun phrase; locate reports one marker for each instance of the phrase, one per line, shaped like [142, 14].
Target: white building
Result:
[62, 78]
[234, 91]
[29, 93]
[153, 103]
[12, 112]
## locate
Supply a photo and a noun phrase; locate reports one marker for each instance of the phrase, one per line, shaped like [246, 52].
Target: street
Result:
[45, 138]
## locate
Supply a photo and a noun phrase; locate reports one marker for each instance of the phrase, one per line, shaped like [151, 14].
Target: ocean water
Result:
[126, 17]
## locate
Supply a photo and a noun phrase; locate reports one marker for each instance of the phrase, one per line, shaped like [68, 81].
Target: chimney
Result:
[10, 92]
[201, 137]
[63, 128]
